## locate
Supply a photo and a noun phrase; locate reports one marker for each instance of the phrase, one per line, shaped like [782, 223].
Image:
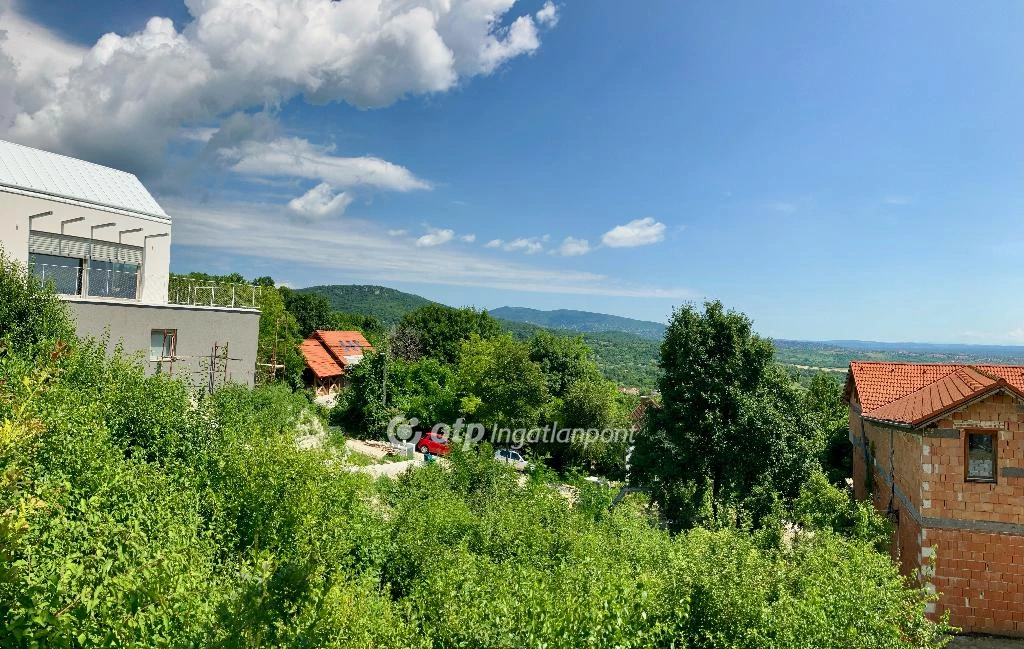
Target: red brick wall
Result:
[979, 574]
[981, 579]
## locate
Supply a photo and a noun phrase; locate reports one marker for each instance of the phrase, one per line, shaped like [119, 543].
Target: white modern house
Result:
[104, 243]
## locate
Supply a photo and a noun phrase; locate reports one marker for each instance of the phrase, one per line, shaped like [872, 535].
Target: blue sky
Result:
[834, 170]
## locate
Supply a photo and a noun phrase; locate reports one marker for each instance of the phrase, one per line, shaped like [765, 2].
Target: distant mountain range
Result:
[389, 305]
[581, 321]
[627, 349]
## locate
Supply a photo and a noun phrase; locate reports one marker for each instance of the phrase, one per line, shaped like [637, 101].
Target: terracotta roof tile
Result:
[914, 393]
[347, 347]
[318, 359]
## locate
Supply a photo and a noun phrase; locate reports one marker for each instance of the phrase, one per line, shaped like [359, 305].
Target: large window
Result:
[79, 266]
[113, 279]
[65, 273]
[980, 456]
[162, 344]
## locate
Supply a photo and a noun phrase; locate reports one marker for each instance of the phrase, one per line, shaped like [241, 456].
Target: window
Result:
[113, 279]
[980, 457]
[162, 344]
[65, 273]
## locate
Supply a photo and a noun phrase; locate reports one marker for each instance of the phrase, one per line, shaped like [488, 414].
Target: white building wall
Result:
[15, 224]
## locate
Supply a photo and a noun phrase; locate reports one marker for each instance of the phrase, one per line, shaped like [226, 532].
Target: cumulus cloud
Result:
[494, 243]
[529, 245]
[548, 15]
[397, 233]
[639, 232]
[297, 157]
[377, 257]
[142, 88]
[468, 238]
[435, 237]
[320, 202]
[573, 247]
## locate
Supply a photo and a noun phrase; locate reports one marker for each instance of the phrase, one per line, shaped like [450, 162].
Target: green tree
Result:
[368, 325]
[502, 386]
[732, 435]
[830, 417]
[311, 311]
[278, 340]
[564, 360]
[442, 329]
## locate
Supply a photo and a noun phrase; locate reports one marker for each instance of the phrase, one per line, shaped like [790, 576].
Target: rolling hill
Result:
[386, 304]
[627, 350]
[581, 321]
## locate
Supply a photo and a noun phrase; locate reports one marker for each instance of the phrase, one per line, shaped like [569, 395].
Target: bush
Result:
[133, 513]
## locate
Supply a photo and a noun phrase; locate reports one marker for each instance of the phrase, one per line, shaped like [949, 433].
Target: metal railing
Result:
[66, 280]
[113, 283]
[182, 290]
[98, 282]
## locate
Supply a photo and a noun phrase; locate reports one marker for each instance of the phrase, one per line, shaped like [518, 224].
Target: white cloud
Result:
[548, 15]
[435, 237]
[529, 245]
[468, 238]
[494, 243]
[236, 54]
[296, 157]
[320, 202]
[573, 247]
[377, 257]
[397, 233]
[639, 232]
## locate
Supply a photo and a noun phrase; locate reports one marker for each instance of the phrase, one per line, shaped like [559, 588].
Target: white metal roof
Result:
[56, 175]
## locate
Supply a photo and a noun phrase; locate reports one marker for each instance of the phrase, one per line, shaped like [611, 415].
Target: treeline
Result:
[136, 513]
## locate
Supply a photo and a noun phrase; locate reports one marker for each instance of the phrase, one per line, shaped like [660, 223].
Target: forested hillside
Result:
[581, 321]
[386, 304]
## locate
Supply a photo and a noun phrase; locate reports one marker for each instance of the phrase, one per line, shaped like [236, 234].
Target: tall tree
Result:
[732, 434]
[442, 329]
[311, 311]
[830, 416]
[564, 360]
[502, 386]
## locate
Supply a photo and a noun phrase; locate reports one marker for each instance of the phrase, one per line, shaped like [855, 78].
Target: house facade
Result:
[939, 449]
[328, 355]
[101, 239]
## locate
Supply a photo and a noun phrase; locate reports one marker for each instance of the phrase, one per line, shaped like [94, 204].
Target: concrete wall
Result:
[15, 210]
[199, 329]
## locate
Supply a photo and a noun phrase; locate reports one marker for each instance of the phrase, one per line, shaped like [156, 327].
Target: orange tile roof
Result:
[914, 393]
[318, 359]
[342, 344]
[328, 352]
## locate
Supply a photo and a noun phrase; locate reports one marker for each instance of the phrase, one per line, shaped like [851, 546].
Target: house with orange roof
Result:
[939, 449]
[328, 355]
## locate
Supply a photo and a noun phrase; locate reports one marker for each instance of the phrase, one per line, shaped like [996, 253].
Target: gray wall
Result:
[199, 328]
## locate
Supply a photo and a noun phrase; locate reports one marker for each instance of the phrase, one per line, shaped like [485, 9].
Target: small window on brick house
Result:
[980, 457]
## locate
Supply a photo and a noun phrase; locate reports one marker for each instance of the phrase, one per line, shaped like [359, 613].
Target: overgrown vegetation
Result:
[133, 513]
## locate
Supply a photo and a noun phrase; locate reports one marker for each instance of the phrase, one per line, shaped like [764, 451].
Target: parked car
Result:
[513, 458]
[435, 443]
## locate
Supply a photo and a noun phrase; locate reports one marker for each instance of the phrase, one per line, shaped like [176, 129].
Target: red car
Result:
[436, 443]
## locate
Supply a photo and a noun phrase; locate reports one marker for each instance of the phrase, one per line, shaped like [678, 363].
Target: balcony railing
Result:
[182, 290]
[67, 279]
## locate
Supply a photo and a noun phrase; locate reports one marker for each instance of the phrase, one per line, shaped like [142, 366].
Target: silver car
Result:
[513, 458]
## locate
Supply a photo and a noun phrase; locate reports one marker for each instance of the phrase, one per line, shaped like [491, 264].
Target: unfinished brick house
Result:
[945, 444]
